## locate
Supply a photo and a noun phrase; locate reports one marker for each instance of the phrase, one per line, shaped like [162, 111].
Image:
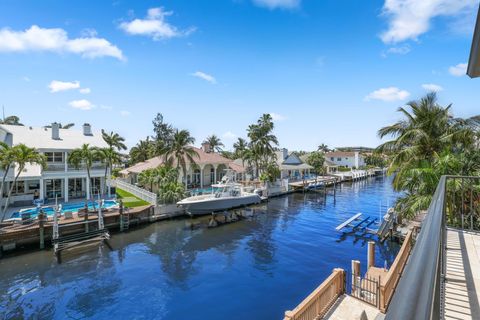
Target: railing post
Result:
[355, 275]
[371, 254]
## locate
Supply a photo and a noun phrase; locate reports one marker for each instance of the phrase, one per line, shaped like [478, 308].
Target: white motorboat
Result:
[225, 195]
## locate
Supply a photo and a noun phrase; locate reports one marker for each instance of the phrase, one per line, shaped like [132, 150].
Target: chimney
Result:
[285, 153]
[87, 129]
[206, 147]
[55, 131]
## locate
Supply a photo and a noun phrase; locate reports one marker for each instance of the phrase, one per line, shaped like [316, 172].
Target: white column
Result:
[66, 161]
[42, 191]
[215, 173]
[87, 187]
[65, 189]
[201, 176]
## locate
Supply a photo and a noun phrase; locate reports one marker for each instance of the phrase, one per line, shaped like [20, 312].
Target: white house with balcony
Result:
[58, 179]
[350, 159]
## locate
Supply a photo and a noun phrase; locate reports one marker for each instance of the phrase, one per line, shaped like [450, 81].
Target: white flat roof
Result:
[41, 138]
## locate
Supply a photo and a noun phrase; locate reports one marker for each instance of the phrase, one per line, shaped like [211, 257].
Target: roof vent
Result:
[55, 131]
[87, 129]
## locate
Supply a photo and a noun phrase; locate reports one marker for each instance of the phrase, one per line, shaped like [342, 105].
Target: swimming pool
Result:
[72, 207]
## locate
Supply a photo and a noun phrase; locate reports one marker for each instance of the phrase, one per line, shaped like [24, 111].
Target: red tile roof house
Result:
[209, 168]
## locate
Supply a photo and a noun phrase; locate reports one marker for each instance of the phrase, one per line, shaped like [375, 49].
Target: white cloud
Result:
[81, 104]
[432, 87]
[56, 40]
[229, 135]
[277, 117]
[204, 76]
[154, 25]
[274, 4]
[85, 90]
[458, 70]
[125, 113]
[388, 94]
[57, 86]
[399, 50]
[408, 19]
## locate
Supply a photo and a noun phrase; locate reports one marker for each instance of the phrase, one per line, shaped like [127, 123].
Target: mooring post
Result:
[121, 215]
[42, 230]
[86, 217]
[371, 254]
[355, 275]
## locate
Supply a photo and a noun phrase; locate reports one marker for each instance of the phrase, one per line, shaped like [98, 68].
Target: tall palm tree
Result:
[114, 140]
[181, 151]
[85, 155]
[165, 174]
[11, 120]
[21, 156]
[142, 151]
[215, 143]
[323, 148]
[109, 157]
[6, 162]
[263, 142]
[239, 148]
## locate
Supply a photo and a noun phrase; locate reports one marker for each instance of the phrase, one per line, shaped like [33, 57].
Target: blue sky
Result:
[330, 71]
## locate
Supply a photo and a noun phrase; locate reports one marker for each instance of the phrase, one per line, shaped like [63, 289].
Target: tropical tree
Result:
[85, 155]
[165, 174]
[6, 162]
[171, 192]
[147, 178]
[270, 173]
[427, 143]
[142, 151]
[21, 155]
[240, 149]
[180, 151]
[262, 142]
[163, 131]
[323, 148]
[215, 143]
[316, 159]
[114, 140]
[109, 156]
[11, 120]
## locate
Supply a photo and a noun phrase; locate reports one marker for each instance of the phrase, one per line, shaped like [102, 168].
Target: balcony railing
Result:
[419, 295]
[55, 167]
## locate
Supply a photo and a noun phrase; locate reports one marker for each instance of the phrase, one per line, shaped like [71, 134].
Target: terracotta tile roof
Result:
[204, 158]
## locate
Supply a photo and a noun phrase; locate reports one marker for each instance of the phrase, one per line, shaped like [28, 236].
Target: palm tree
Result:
[165, 174]
[147, 178]
[67, 126]
[142, 151]
[215, 143]
[323, 148]
[21, 155]
[114, 140]
[85, 155]
[181, 151]
[6, 162]
[262, 142]
[239, 149]
[11, 120]
[427, 143]
[110, 157]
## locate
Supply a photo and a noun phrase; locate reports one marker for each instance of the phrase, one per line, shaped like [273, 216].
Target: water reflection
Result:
[169, 271]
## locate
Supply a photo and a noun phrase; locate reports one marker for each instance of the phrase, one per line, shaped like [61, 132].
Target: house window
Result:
[19, 187]
[339, 159]
[33, 185]
[95, 185]
[53, 188]
[75, 188]
[54, 157]
[332, 158]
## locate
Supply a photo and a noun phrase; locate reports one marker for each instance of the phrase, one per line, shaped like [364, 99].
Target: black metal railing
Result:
[419, 294]
[366, 289]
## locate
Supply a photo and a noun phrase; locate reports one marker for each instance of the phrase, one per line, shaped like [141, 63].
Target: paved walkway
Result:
[462, 287]
[349, 308]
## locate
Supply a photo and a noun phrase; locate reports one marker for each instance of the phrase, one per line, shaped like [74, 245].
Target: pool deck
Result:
[462, 282]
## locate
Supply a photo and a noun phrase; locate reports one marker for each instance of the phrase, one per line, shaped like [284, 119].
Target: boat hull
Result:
[207, 206]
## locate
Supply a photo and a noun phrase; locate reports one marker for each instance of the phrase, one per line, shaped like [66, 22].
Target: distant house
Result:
[349, 159]
[207, 169]
[291, 166]
[59, 179]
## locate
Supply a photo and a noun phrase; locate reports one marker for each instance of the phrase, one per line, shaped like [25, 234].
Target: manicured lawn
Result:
[129, 200]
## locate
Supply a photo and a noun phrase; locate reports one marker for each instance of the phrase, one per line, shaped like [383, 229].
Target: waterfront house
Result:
[291, 165]
[209, 168]
[349, 159]
[59, 178]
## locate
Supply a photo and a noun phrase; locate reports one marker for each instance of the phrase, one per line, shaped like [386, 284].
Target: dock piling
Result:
[371, 254]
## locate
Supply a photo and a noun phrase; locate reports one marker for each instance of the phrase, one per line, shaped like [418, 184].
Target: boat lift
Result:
[358, 223]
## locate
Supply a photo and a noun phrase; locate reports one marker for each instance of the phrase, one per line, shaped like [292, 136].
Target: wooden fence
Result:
[389, 283]
[319, 301]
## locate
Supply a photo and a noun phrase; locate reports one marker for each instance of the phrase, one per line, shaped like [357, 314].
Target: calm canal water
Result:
[253, 269]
